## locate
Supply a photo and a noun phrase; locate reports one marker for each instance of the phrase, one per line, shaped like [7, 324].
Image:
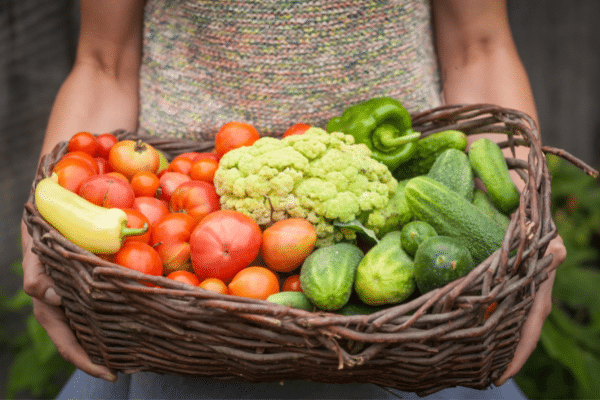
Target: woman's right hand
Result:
[47, 311]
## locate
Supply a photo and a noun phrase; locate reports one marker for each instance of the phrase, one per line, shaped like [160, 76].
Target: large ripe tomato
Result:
[105, 142]
[85, 157]
[136, 219]
[83, 141]
[107, 191]
[296, 129]
[130, 157]
[196, 198]
[287, 243]
[169, 182]
[233, 135]
[224, 243]
[204, 170]
[152, 208]
[173, 228]
[141, 257]
[145, 183]
[255, 283]
[73, 173]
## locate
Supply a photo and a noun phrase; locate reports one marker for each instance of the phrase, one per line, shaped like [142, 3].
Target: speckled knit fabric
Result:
[273, 63]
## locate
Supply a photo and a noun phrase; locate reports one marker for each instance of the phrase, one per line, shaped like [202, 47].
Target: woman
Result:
[183, 68]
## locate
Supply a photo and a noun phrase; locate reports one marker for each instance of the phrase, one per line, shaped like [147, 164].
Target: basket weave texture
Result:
[434, 341]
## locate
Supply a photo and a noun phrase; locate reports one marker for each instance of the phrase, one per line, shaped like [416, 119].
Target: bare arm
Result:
[99, 95]
[480, 64]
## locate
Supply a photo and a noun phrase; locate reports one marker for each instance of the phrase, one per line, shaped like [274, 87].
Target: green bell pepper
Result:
[383, 125]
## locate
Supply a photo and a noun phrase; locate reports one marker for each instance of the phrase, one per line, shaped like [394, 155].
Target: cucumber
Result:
[358, 309]
[452, 215]
[428, 149]
[489, 164]
[327, 275]
[396, 213]
[482, 201]
[440, 260]
[292, 299]
[453, 169]
[413, 234]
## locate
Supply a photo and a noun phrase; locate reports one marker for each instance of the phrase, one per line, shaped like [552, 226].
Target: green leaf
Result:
[17, 302]
[357, 226]
[44, 348]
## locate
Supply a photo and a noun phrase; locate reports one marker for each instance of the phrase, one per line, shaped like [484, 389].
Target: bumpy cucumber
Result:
[453, 169]
[452, 215]
[489, 165]
[428, 149]
[482, 201]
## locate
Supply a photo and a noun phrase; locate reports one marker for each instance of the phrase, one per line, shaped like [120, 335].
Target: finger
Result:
[54, 321]
[36, 283]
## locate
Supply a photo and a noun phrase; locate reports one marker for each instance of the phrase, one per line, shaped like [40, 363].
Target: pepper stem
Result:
[125, 231]
[388, 137]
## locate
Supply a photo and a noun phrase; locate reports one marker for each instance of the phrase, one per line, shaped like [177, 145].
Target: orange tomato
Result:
[145, 183]
[130, 157]
[291, 284]
[73, 173]
[85, 157]
[185, 277]
[83, 141]
[297, 129]
[181, 164]
[233, 135]
[214, 285]
[286, 244]
[254, 282]
[204, 170]
[140, 257]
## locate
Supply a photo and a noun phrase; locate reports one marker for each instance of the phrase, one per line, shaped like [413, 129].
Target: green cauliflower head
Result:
[319, 176]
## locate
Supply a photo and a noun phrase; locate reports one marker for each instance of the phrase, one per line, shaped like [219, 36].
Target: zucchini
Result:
[452, 215]
[453, 169]
[489, 164]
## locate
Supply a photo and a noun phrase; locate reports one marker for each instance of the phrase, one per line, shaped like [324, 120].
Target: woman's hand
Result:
[542, 305]
[47, 311]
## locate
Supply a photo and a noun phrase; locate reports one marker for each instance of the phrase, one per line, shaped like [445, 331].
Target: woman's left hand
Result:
[542, 305]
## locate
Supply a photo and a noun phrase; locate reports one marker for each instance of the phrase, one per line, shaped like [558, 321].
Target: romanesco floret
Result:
[319, 176]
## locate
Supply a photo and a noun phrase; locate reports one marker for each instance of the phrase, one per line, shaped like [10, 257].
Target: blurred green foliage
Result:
[566, 362]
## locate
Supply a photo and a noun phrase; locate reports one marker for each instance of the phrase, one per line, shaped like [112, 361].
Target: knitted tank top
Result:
[273, 63]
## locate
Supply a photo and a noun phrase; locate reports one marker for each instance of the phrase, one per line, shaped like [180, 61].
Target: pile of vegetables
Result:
[366, 210]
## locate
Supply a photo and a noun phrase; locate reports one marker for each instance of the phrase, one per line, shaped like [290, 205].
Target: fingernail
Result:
[51, 297]
[109, 377]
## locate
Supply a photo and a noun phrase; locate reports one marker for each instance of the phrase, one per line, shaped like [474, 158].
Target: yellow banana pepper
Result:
[97, 229]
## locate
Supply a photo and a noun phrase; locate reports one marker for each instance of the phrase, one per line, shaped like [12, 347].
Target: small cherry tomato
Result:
[145, 183]
[185, 277]
[105, 142]
[169, 182]
[130, 157]
[152, 208]
[83, 141]
[254, 282]
[286, 244]
[85, 157]
[291, 284]
[196, 198]
[204, 170]
[182, 164]
[233, 135]
[72, 174]
[296, 129]
[107, 191]
[141, 257]
[214, 285]
[136, 219]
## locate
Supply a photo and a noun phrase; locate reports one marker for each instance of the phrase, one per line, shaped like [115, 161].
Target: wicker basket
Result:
[435, 341]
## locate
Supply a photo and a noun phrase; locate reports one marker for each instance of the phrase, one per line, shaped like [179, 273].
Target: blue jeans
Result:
[148, 385]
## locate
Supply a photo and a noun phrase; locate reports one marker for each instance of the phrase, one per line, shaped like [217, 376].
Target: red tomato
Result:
[85, 157]
[130, 157]
[196, 198]
[185, 277]
[175, 256]
[73, 173]
[291, 284]
[105, 142]
[287, 243]
[173, 228]
[107, 191]
[136, 219]
[182, 164]
[83, 141]
[297, 129]
[141, 257]
[204, 170]
[103, 166]
[145, 183]
[169, 182]
[117, 175]
[195, 156]
[224, 243]
[152, 208]
[233, 135]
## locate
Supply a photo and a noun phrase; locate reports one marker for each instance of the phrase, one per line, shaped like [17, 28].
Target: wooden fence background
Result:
[559, 42]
